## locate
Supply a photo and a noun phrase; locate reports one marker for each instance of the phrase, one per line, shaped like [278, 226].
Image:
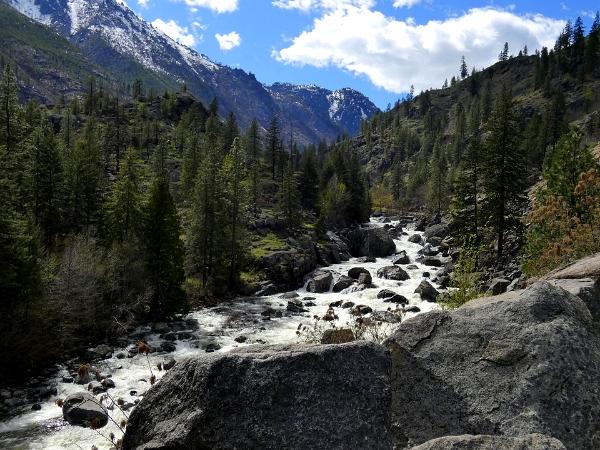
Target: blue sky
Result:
[380, 47]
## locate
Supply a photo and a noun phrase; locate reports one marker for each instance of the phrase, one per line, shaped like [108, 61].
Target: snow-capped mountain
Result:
[114, 37]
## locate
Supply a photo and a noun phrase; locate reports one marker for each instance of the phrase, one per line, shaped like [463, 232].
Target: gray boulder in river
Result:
[279, 397]
[370, 242]
[84, 409]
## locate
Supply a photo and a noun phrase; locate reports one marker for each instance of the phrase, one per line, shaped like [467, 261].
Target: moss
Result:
[264, 245]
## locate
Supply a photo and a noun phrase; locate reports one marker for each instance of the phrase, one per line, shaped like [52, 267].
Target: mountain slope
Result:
[113, 37]
[48, 65]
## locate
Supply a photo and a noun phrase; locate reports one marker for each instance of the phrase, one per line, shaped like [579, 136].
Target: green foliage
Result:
[465, 276]
[503, 168]
[164, 251]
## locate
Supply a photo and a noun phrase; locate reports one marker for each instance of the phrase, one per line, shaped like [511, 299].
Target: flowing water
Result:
[219, 327]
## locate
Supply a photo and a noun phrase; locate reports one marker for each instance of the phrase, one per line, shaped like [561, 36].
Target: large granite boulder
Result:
[370, 242]
[292, 397]
[320, 282]
[287, 268]
[505, 365]
[83, 409]
[469, 442]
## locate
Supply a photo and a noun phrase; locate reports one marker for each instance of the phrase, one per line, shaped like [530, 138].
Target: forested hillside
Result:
[489, 143]
[119, 211]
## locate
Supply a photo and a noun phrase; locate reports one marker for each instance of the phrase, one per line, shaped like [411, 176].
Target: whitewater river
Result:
[219, 327]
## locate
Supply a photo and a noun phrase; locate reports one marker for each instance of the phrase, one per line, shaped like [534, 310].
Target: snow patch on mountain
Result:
[31, 10]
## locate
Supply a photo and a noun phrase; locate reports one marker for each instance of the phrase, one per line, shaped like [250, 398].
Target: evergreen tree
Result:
[503, 170]
[163, 251]
[273, 144]
[204, 234]
[84, 181]
[465, 202]
[592, 48]
[289, 197]
[230, 132]
[309, 179]
[464, 71]
[437, 189]
[504, 53]
[568, 160]
[47, 184]
[254, 155]
[235, 199]
[124, 206]
[191, 162]
[10, 115]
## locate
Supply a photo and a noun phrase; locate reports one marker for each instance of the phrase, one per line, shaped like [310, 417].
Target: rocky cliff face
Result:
[111, 36]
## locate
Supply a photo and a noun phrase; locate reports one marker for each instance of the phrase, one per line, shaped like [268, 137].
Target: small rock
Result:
[401, 258]
[108, 383]
[320, 282]
[361, 310]
[412, 309]
[431, 261]
[356, 271]
[212, 347]
[385, 293]
[170, 336]
[366, 259]
[241, 339]
[348, 305]
[337, 336]
[397, 298]
[336, 304]
[168, 346]
[427, 291]
[365, 279]
[393, 273]
[95, 387]
[498, 286]
[415, 239]
[168, 364]
[344, 282]
[289, 295]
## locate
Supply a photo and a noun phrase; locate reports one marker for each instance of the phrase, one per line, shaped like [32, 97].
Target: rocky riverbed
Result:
[400, 285]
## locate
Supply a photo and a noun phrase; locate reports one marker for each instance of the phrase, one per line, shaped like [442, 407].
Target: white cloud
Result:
[143, 3]
[218, 6]
[175, 31]
[405, 3]
[397, 53]
[308, 5]
[228, 41]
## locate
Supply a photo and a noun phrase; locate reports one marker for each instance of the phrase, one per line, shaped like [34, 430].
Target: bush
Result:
[465, 277]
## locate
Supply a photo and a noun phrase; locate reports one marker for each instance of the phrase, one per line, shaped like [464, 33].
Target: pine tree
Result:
[309, 179]
[568, 160]
[163, 251]
[437, 189]
[47, 184]
[204, 236]
[289, 198]
[84, 181]
[504, 53]
[191, 163]
[124, 206]
[465, 201]
[592, 48]
[254, 155]
[230, 132]
[10, 115]
[235, 199]
[273, 144]
[503, 168]
[459, 139]
[464, 71]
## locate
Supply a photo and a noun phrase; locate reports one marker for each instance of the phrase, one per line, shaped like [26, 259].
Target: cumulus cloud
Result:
[395, 54]
[228, 41]
[143, 3]
[218, 6]
[309, 5]
[405, 3]
[175, 31]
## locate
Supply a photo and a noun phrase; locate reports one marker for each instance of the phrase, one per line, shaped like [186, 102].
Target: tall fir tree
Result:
[273, 145]
[503, 170]
[164, 251]
[253, 146]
